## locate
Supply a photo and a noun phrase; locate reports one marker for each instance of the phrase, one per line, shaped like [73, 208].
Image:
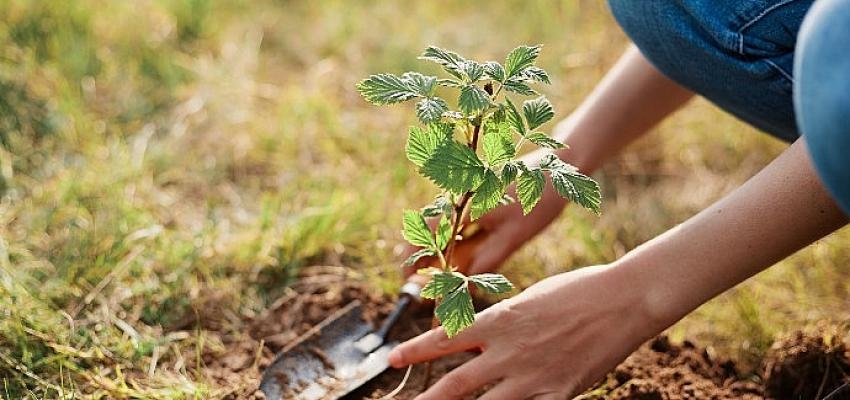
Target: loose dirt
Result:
[800, 366]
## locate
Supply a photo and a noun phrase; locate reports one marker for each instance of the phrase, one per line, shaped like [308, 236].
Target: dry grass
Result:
[160, 156]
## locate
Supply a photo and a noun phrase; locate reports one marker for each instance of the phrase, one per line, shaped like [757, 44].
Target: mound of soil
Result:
[663, 370]
[808, 365]
[802, 366]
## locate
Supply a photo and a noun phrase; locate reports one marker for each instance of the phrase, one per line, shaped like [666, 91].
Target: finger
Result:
[506, 390]
[435, 344]
[465, 379]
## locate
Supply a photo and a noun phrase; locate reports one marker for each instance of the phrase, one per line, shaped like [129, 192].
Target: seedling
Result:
[469, 153]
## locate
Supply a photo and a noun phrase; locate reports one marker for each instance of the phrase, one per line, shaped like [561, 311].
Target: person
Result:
[780, 65]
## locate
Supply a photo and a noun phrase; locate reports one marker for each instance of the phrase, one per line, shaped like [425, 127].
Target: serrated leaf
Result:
[444, 232]
[535, 74]
[473, 70]
[451, 61]
[519, 88]
[492, 283]
[384, 89]
[572, 184]
[521, 58]
[529, 189]
[430, 110]
[421, 143]
[441, 284]
[441, 205]
[418, 256]
[509, 173]
[513, 117]
[472, 99]
[454, 167]
[487, 196]
[543, 140]
[495, 71]
[421, 84]
[498, 147]
[537, 112]
[456, 312]
[415, 230]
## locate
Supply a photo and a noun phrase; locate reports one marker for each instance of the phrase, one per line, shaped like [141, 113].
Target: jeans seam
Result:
[756, 19]
[780, 69]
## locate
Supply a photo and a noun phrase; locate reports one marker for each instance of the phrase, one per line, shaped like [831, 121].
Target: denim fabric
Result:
[822, 93]
[738, 54]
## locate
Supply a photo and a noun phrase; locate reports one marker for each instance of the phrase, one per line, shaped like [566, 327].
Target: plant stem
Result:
[460, 208]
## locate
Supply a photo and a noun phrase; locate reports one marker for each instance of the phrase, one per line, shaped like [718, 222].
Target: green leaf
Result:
[572, 184]
[513, 117]
[509, 173]
[473, 70]
[384, 89]
[451, 61]
[472, 99]
[519, 88]
[495, 71]
[534, 74]
[441, 205]
[431, 109]
[422, 143]
[521, 58]
[441, 284]
[543, 140]
[444, 232]
[498, 147]
[454, 167]
[416, 231]
[418, 256]
[456, 312]
[537, 112]
[487, 196]
[493, 283]
[529, 189]
[421, 84]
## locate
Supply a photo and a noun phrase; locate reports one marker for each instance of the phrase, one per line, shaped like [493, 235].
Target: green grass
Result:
[157, 157]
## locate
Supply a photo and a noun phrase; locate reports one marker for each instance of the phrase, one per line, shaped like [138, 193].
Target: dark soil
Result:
[801, 366]
[808, 365]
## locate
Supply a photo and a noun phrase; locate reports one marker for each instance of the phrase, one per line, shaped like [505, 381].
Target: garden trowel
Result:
[336, 356]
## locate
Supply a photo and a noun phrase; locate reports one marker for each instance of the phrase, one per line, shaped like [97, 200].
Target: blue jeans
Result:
[752, 59]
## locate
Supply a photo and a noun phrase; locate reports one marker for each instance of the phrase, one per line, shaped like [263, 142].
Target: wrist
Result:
[651, 300]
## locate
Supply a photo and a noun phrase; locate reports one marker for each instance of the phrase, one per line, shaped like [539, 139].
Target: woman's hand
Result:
[550, 342]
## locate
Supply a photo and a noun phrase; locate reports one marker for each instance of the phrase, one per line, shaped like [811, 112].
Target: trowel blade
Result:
[325, 363]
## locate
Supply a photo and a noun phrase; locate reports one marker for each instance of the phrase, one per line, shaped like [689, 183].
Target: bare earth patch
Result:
[800, 366]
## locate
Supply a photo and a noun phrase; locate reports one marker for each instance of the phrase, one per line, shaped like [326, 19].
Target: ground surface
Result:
[801, 366]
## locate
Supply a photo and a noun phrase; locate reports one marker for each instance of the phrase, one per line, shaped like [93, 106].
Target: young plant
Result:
[469, 153]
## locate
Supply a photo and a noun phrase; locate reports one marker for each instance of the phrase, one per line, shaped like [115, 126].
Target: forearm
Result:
[631, 99]
[777, 212]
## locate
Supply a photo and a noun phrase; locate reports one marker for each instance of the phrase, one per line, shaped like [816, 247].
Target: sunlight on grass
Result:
[167, 168]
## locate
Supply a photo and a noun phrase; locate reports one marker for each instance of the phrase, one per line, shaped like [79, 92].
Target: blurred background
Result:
[169, 167]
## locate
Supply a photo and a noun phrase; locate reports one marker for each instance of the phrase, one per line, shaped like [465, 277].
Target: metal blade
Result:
[325, 363]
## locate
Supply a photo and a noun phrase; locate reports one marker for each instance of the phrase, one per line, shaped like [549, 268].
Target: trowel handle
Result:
[409, 293]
